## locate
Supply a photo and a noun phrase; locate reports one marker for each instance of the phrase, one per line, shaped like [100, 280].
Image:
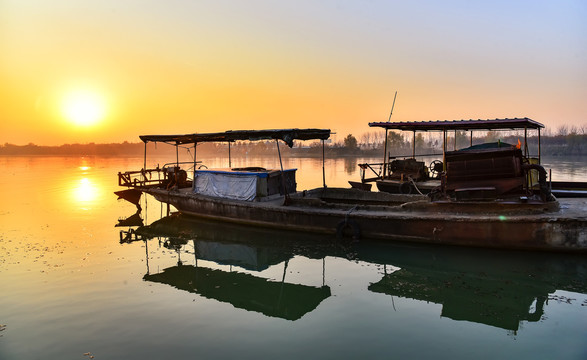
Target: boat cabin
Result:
[483, 171]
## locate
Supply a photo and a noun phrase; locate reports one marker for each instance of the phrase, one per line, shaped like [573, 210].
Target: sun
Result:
[83, 108]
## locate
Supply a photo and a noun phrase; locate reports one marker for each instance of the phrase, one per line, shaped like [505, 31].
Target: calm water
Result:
[180, 288]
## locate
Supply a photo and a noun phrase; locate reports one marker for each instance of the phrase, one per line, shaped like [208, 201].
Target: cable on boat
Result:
[415, 187]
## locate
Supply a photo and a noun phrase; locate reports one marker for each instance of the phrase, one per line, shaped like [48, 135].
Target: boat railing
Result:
[141, 178]
[374, 168]
[158, 176]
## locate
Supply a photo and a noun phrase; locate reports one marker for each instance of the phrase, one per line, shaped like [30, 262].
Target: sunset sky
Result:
[108, 71]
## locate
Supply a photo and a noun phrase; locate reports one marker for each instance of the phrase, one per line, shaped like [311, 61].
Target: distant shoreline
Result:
[560, 145]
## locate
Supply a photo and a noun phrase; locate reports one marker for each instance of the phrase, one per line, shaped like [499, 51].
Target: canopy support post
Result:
[385, 154]
[323, 170]
[414, 144]
[444, 150]
[525, 141]
[539, 152]
[145, 164]
[195, 162]
[455, 145]
[229, 157]
[285, 194]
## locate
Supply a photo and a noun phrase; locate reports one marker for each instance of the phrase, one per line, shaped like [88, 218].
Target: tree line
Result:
[565, 141]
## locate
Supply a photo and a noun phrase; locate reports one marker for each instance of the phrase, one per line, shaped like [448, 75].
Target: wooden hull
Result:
[512, 226]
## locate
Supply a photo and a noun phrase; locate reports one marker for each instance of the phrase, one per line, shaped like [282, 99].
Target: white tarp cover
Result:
[226, 185]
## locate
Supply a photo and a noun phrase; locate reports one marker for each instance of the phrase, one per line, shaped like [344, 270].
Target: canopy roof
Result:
[440, 125]
[287, 135]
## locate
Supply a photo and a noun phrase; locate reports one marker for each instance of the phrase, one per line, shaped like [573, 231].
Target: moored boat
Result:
[492, 162]
[270, 198]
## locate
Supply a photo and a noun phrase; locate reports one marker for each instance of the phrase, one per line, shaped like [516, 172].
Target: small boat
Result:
[569, 189]
[490, 163]
[270, 198]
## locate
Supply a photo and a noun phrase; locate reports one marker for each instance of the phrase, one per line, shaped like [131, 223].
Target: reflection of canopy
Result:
[287, 135]
[491, 287]
[492, 301]
[245, 291]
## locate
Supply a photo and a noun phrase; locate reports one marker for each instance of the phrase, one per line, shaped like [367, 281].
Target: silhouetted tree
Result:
[350, 142]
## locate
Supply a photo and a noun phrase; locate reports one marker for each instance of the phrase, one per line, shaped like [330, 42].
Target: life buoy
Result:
[405, 188]
[348, 227]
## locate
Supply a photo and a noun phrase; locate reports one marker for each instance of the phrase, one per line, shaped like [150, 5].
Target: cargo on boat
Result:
[480, 216]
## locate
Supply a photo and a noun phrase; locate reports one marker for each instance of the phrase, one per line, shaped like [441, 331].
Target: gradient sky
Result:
[202, 66]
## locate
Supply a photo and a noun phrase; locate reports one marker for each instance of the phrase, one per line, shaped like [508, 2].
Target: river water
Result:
[73, 285]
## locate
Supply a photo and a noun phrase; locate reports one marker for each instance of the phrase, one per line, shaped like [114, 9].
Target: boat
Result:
[510, 167]
[270, 198]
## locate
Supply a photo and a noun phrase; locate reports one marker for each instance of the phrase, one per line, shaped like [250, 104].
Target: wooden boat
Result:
[269, 198]
[568, 189]
[411, 175]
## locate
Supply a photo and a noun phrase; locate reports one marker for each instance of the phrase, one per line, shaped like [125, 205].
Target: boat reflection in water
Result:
[491, 287]
[250, 251]
[495, 288]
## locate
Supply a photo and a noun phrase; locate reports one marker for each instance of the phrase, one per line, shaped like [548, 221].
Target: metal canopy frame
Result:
[286, 135]
[455, 125]
[446, 125]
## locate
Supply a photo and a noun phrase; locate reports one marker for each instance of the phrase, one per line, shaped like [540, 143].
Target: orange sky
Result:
[184, 66]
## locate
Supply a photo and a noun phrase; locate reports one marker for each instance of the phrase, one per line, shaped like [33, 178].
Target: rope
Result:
[346, 216]
[415, 187]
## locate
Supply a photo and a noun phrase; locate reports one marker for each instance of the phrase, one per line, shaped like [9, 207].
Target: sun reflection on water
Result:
[85, 191]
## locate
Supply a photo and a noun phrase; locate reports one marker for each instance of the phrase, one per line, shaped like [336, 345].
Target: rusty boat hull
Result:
[358, 214]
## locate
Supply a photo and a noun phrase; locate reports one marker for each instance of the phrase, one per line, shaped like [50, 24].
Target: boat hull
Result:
[512, 226]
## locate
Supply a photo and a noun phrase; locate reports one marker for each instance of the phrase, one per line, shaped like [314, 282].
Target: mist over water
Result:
[195, 288]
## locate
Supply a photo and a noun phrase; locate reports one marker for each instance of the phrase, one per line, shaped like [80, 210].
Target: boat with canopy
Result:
[260, 197]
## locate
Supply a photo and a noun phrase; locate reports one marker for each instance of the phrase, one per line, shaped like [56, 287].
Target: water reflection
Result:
[255, 252]
[496, 288]
[85, 190]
